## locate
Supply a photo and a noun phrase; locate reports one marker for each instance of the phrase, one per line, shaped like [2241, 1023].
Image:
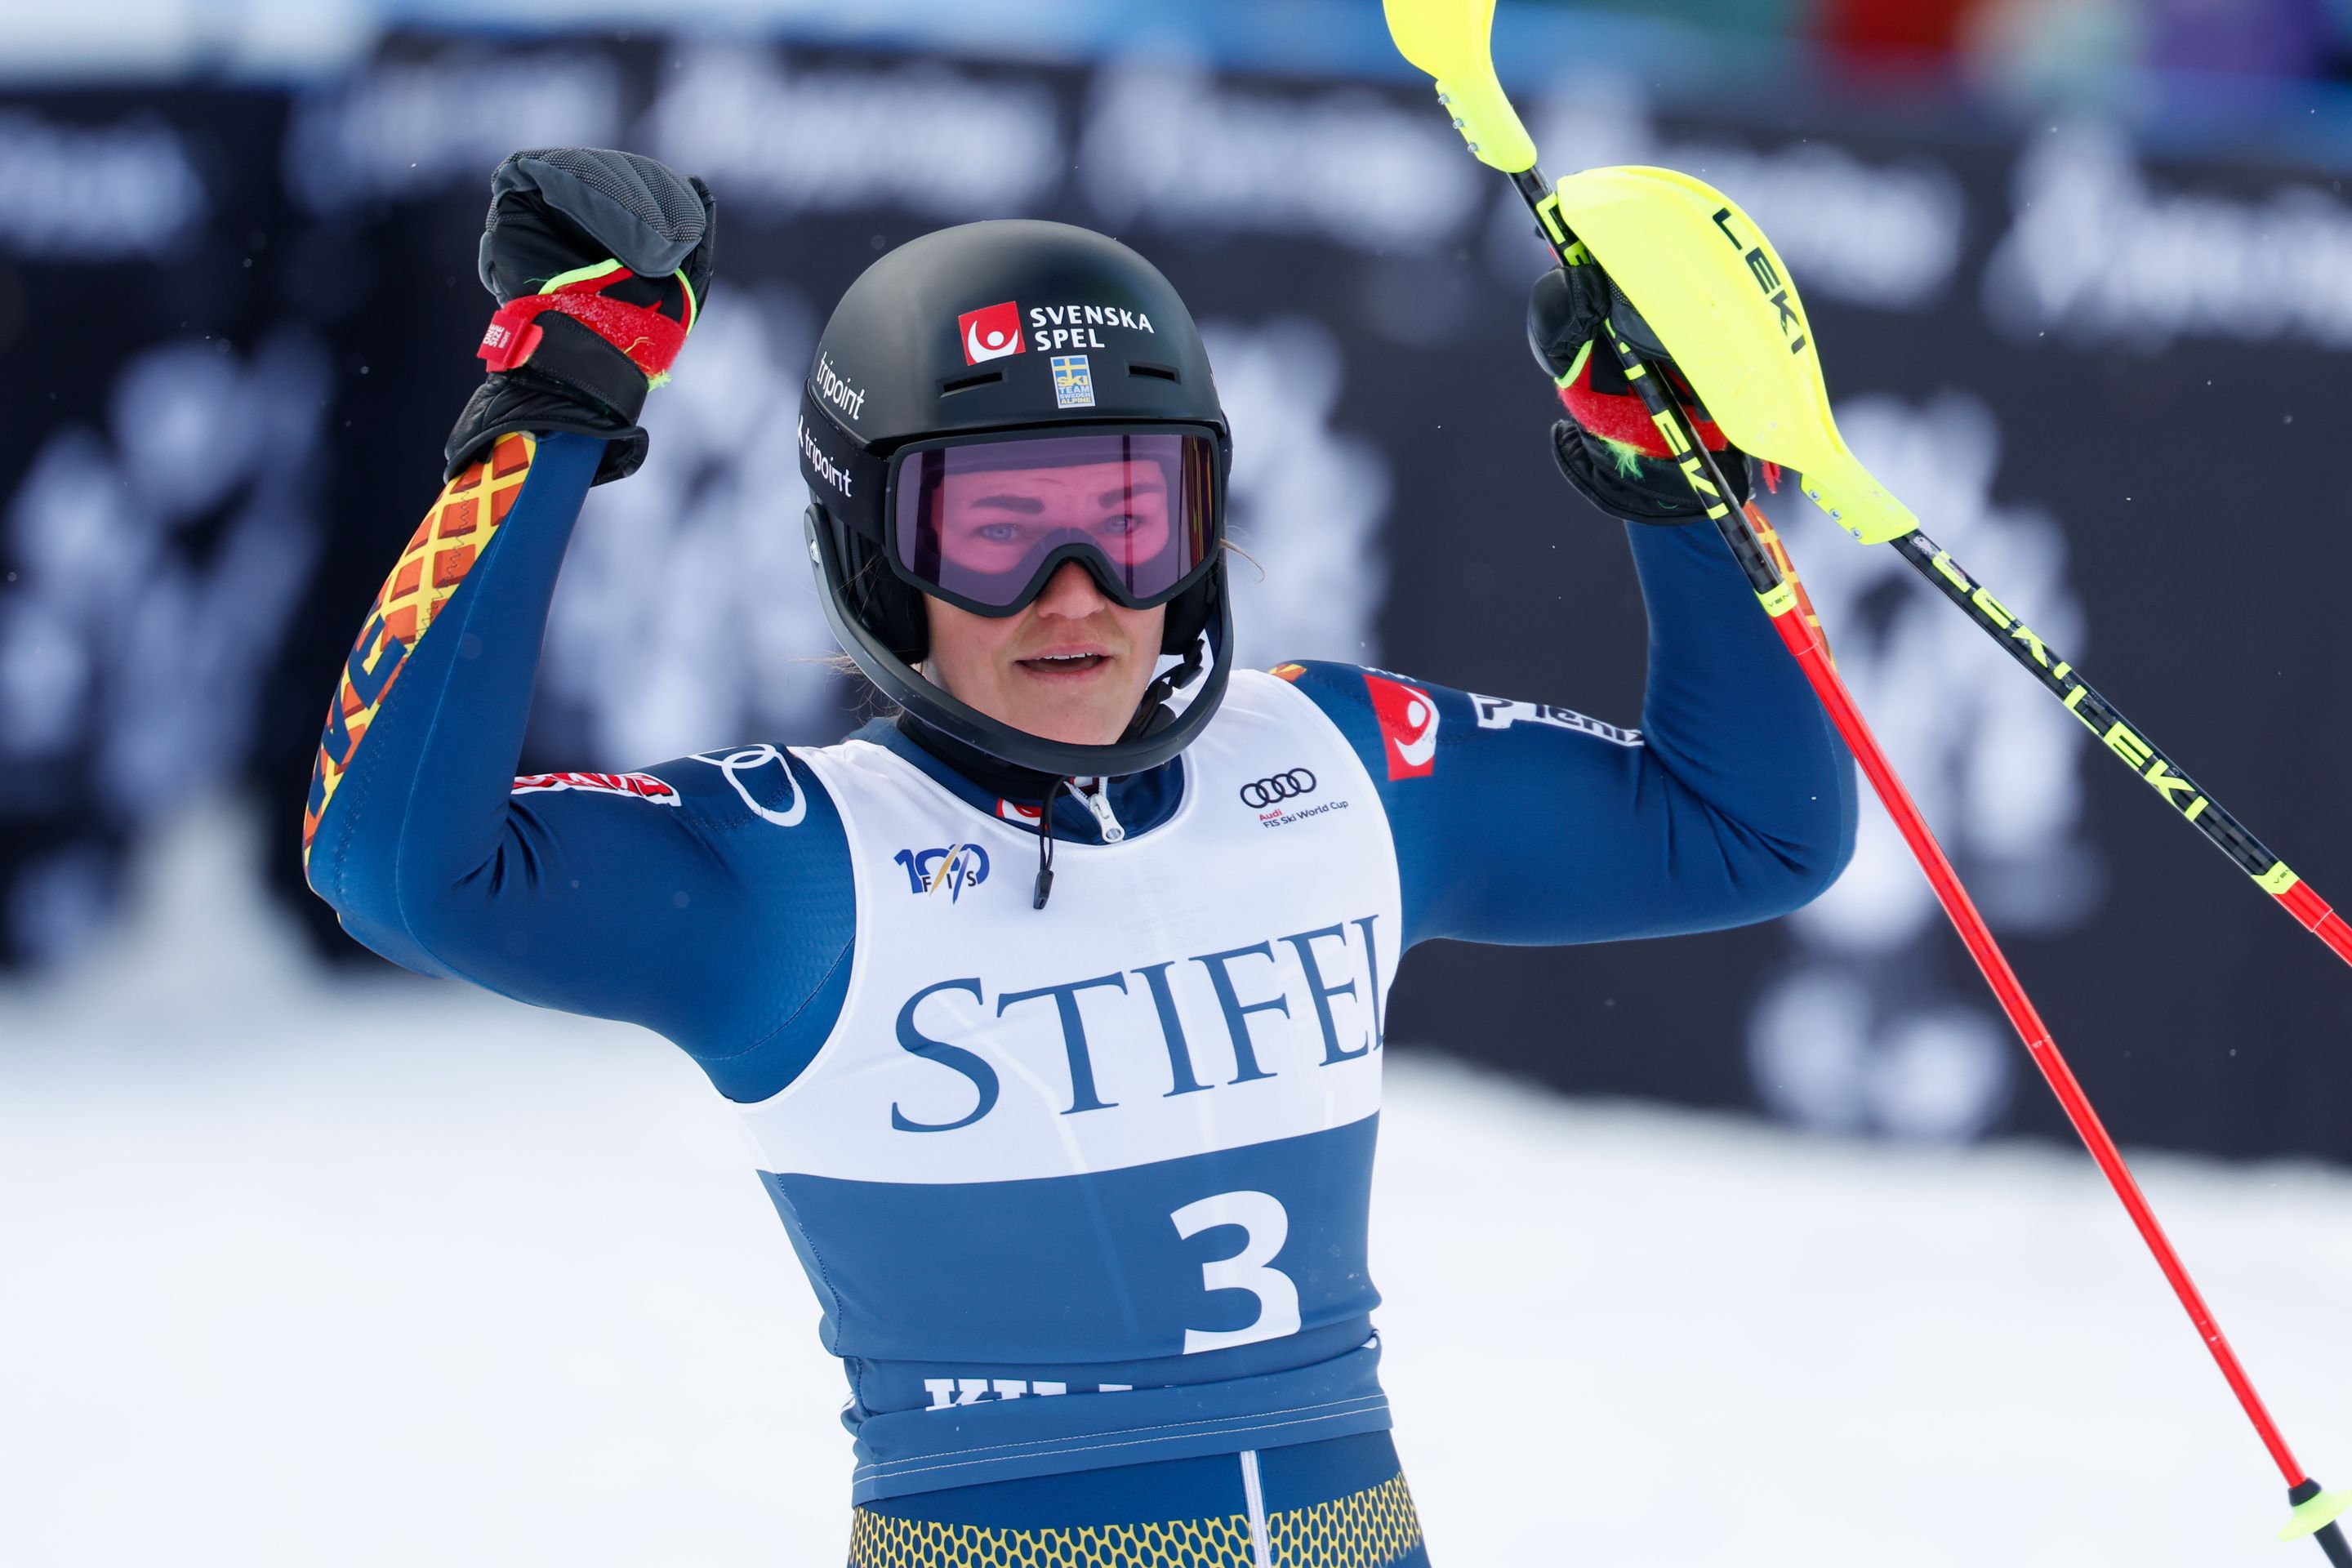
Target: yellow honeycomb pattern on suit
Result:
[1369, 1528]
[875, 1542]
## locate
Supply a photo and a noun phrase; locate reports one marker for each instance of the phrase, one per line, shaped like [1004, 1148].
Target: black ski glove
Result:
[600, 264]
[1608, 447]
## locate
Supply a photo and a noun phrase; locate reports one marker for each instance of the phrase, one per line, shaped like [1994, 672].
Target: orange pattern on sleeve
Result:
[457, 529]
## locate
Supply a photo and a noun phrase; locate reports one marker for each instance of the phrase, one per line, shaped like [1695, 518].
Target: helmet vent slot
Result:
[966, 382]
[1156, 372]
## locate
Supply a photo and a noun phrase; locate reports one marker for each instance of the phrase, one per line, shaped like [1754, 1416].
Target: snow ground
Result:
[301, 1272]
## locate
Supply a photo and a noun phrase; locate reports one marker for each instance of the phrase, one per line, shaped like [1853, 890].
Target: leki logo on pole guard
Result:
[1768, 280]
[990, 333]
[1408, 727]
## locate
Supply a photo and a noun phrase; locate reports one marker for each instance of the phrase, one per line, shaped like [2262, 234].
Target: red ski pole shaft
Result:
[1800, 634]
[1780, 599]
[1769, 573]
[1783, 602]
[1805, 645]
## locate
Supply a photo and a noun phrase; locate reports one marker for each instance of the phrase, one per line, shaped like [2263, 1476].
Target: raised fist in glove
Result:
[600, 264]
[1608, 447]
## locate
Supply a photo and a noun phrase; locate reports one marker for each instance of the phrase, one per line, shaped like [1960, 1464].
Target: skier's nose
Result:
[1071, 593]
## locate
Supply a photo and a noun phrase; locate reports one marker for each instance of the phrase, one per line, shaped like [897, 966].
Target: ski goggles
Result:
[984, 523]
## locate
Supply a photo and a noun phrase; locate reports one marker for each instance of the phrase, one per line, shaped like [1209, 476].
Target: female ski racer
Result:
[1053, 1002]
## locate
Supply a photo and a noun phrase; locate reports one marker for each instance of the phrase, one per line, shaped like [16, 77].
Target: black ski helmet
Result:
[958, 334]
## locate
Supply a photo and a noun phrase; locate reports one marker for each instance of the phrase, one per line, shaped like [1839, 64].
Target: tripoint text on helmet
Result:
[833, 473]
[1071, 326]
[836, 391]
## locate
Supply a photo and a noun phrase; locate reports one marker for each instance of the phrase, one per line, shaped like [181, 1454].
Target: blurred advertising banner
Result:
[2105, 374]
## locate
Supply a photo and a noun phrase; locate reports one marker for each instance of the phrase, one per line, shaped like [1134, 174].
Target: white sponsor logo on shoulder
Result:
[1502, 712]
[750, 759]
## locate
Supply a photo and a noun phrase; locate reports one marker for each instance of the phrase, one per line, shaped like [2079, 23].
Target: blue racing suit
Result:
[1082, 1190]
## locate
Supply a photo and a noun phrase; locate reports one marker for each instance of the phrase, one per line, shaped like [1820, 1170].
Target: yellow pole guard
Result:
[1719, 295]
[1449, 41]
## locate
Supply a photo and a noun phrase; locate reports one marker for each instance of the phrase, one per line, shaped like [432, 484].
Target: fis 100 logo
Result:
[949, 870]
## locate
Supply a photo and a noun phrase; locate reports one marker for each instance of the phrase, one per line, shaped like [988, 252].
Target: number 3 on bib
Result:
[1265, 1226]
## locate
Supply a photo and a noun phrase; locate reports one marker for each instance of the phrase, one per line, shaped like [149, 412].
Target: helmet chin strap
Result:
[1152, 715]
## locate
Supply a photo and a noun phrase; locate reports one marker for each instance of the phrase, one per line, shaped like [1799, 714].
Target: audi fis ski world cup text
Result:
[1268, 796]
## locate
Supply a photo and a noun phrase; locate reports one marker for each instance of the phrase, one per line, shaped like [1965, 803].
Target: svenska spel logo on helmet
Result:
[1074, 326]
[990, 333]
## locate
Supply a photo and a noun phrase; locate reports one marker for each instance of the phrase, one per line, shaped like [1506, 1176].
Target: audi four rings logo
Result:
[1281, 787]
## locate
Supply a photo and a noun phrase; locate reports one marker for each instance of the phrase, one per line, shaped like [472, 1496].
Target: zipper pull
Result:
[1099, 802]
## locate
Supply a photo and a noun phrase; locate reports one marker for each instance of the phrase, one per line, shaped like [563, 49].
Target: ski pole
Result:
[1448, 39]
[2314, 1510]
[2127, 741]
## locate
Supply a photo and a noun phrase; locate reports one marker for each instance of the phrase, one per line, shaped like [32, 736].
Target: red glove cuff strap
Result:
[648, 338]
[1622, 416]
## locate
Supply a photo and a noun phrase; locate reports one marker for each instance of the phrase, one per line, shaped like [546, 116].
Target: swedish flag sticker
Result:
[1074, 382]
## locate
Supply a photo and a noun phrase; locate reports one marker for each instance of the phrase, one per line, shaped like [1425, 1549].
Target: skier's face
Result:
[1072, 664]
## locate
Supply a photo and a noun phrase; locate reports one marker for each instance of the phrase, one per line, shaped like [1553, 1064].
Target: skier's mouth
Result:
[1063, 666]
